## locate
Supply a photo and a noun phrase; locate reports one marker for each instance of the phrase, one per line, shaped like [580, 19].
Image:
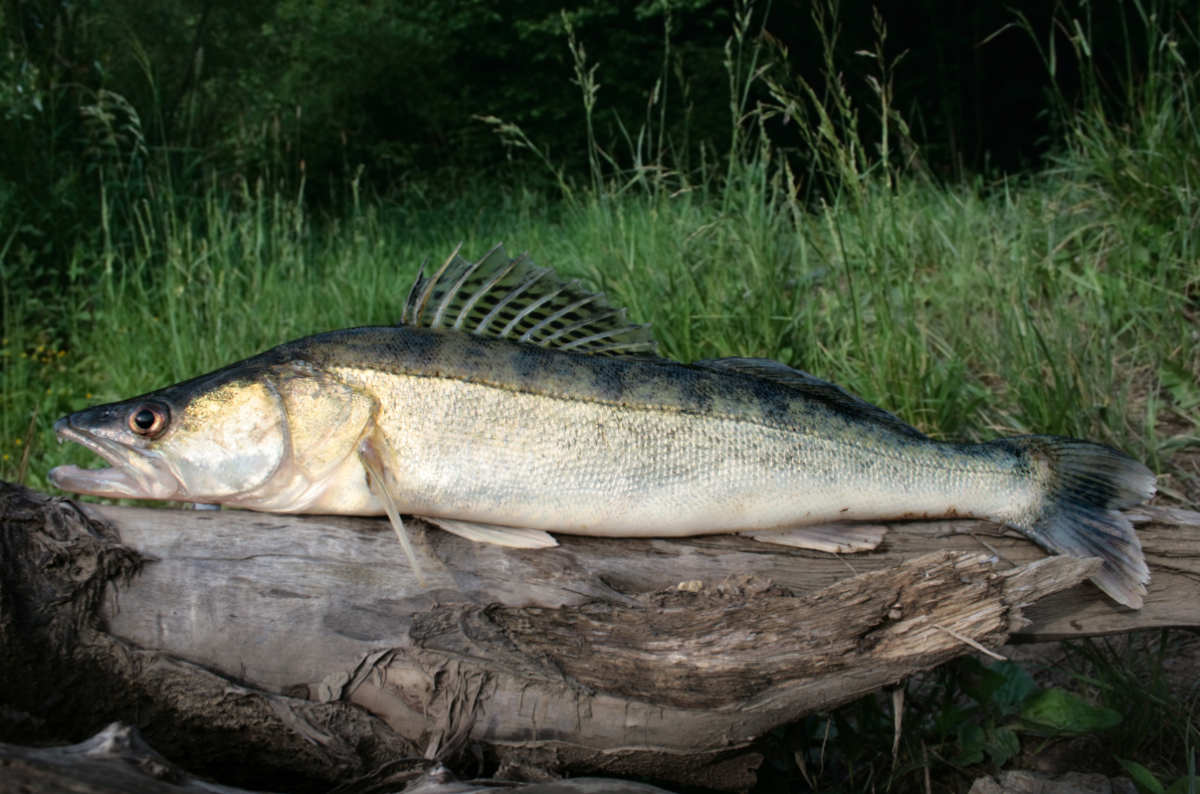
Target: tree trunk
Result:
[292, 652]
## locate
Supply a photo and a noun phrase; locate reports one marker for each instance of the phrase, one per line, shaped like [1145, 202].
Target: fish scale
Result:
[559, 416]
[700, 451]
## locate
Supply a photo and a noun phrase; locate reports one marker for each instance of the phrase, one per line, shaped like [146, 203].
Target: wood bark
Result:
[300, 652]
[114, 761]
[117, 760]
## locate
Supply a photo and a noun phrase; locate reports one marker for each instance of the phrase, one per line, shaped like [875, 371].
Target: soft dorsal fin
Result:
[516, 299]
[801, 381]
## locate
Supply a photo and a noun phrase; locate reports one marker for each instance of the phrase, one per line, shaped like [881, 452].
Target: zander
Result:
[508, 404]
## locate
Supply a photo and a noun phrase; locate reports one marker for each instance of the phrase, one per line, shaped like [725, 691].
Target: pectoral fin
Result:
[834, 538]
[513, 537]
[375, 459]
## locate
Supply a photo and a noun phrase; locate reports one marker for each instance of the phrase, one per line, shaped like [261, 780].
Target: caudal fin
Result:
[1085, 484]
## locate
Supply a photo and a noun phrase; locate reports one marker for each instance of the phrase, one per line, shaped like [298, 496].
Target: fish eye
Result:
[149, 419]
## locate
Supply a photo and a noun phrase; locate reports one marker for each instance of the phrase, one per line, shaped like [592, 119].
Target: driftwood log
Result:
[296, 653]
[117, 760]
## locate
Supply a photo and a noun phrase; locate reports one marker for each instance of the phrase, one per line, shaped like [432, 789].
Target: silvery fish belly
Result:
[508, 404]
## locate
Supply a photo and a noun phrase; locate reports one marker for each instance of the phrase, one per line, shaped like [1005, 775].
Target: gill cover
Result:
[228, 440]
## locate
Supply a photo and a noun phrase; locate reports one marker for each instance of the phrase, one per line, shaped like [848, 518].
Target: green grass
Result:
[1127, 674]
[1064, 302]
[972, 311]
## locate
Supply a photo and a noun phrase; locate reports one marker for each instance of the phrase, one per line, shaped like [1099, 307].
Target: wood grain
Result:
[584, 658]
[275, 597]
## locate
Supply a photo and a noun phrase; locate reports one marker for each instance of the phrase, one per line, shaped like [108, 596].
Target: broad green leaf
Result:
[1182, 786]
[970, 745]
[1056, 712]
[1017, 687]
[989, 682]
[1003, 746]
[1142, 778]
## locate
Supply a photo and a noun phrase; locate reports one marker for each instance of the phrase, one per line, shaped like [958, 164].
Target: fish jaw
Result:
[133, 473]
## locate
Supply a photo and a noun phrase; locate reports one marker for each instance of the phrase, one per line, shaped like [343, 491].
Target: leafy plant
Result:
[1127, 674]
[1009, 702]
[1147, 783]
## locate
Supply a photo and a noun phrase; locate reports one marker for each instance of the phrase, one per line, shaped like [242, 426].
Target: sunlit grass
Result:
[971, 311]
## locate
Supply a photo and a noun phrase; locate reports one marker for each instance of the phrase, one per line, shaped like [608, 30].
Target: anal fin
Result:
[833, 538]
[374, 462]
[513, 537]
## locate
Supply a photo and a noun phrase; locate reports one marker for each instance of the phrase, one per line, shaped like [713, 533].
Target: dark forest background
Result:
[388, 94]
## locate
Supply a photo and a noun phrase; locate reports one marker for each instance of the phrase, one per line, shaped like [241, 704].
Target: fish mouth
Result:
[134, 473]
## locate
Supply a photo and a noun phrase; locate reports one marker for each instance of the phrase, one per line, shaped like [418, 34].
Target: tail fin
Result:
[1084, 485]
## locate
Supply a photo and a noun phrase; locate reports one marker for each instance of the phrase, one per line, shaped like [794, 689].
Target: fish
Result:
[509, 405]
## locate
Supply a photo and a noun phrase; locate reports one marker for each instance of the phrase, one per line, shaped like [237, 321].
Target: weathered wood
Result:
[118, 760]
[64, 677]
[115, 761]
[604, 686]
[275, 597]
[275, 630]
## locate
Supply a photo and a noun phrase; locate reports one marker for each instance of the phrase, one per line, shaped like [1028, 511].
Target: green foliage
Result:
[962, 715]
[828, 118]
[1009, 702]
[1147, 783]
[971, 310]
[260, 88]
[1126, 674]
[1137, 145]
[1057, 712]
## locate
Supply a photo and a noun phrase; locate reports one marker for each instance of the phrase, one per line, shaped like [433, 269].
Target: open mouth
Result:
[134, 473]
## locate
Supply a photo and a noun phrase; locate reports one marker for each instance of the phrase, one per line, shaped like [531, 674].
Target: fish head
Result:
[254, 436]
[203, 440]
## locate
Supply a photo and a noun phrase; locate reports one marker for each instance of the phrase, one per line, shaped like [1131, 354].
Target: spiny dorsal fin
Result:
[801, 381]
[516, 299]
